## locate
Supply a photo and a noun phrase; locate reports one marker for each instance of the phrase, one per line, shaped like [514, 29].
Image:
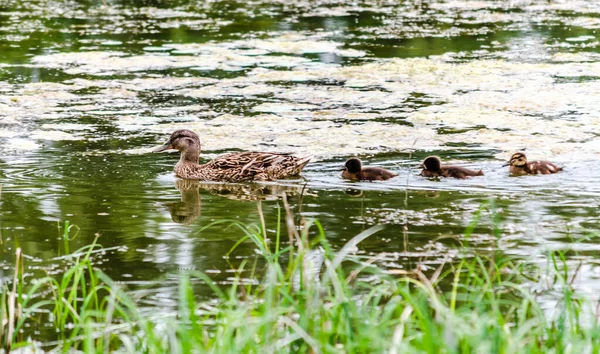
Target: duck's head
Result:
[517, 159]
[353, 165]
[432, 163]
[181, 140]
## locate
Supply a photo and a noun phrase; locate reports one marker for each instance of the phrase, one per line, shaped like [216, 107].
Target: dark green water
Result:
[88, 88]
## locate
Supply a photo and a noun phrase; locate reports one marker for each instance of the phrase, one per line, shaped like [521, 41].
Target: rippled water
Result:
[86, 91]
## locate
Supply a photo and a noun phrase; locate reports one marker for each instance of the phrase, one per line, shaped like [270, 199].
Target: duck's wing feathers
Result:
[249, 161]
[543, 167]
[253, 165]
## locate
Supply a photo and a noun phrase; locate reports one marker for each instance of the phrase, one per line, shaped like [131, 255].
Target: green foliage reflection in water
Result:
[322, 307]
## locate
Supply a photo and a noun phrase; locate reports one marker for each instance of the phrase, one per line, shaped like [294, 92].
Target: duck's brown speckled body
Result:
[432, 167]
[519, 166]
[355, 171]
[235, 167]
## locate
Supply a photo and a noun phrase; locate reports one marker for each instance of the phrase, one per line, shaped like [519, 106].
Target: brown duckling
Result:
[432, 167]
[235, 167]
[355, 171]
[519, 166]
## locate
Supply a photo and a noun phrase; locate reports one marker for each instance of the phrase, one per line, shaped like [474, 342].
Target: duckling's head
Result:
[432, 163]
[181, 140]
[517, 159]
[353, 165]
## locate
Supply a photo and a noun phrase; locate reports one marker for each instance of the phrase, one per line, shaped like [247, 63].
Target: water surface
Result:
[86, 91]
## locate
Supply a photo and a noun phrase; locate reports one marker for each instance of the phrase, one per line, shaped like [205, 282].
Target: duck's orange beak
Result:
[161, 148]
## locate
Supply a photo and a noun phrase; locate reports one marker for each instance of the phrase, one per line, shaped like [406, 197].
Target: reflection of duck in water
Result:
[253, 191]
[432, 167]
[188, 209]
[235, 167]
[355, 171]
[519, 166]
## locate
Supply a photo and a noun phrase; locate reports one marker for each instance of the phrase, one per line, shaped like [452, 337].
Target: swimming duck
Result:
[519, 166]
[432, 167]
[355, 171]
[234, 167]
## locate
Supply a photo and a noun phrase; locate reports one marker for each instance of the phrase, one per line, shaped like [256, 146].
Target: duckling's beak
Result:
[506, 164]
[167, 146]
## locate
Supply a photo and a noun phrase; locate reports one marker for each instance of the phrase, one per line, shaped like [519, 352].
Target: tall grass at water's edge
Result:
[486, 308]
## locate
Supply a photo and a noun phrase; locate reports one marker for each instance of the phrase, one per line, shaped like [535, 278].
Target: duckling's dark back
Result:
[376, 174]
[432, 167]
[459, 172]
[542, 168]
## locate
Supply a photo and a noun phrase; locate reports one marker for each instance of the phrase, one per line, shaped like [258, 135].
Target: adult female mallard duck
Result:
[235, 167]
[519, 166]
[354, 170]
[432, 167]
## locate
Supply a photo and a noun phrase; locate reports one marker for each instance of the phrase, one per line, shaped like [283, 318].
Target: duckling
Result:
[234, 167]
[519, 166]
[432, 167]
[355, 171]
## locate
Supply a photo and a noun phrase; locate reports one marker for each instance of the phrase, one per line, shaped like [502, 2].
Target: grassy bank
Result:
[305, 301]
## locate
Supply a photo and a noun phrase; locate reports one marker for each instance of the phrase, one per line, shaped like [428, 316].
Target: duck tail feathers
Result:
[303, 161]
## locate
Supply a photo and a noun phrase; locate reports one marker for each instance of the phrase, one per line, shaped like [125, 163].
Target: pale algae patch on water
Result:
[229, 88]
[294, 103]
[329, 97]
[52, 135]
[297, 44]
[228, 56]
[35, 101]
[113, 18]
[107, 63]
[277, 42]
[284, 107]
[468, 5]
[322, 138]
[519, 105]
